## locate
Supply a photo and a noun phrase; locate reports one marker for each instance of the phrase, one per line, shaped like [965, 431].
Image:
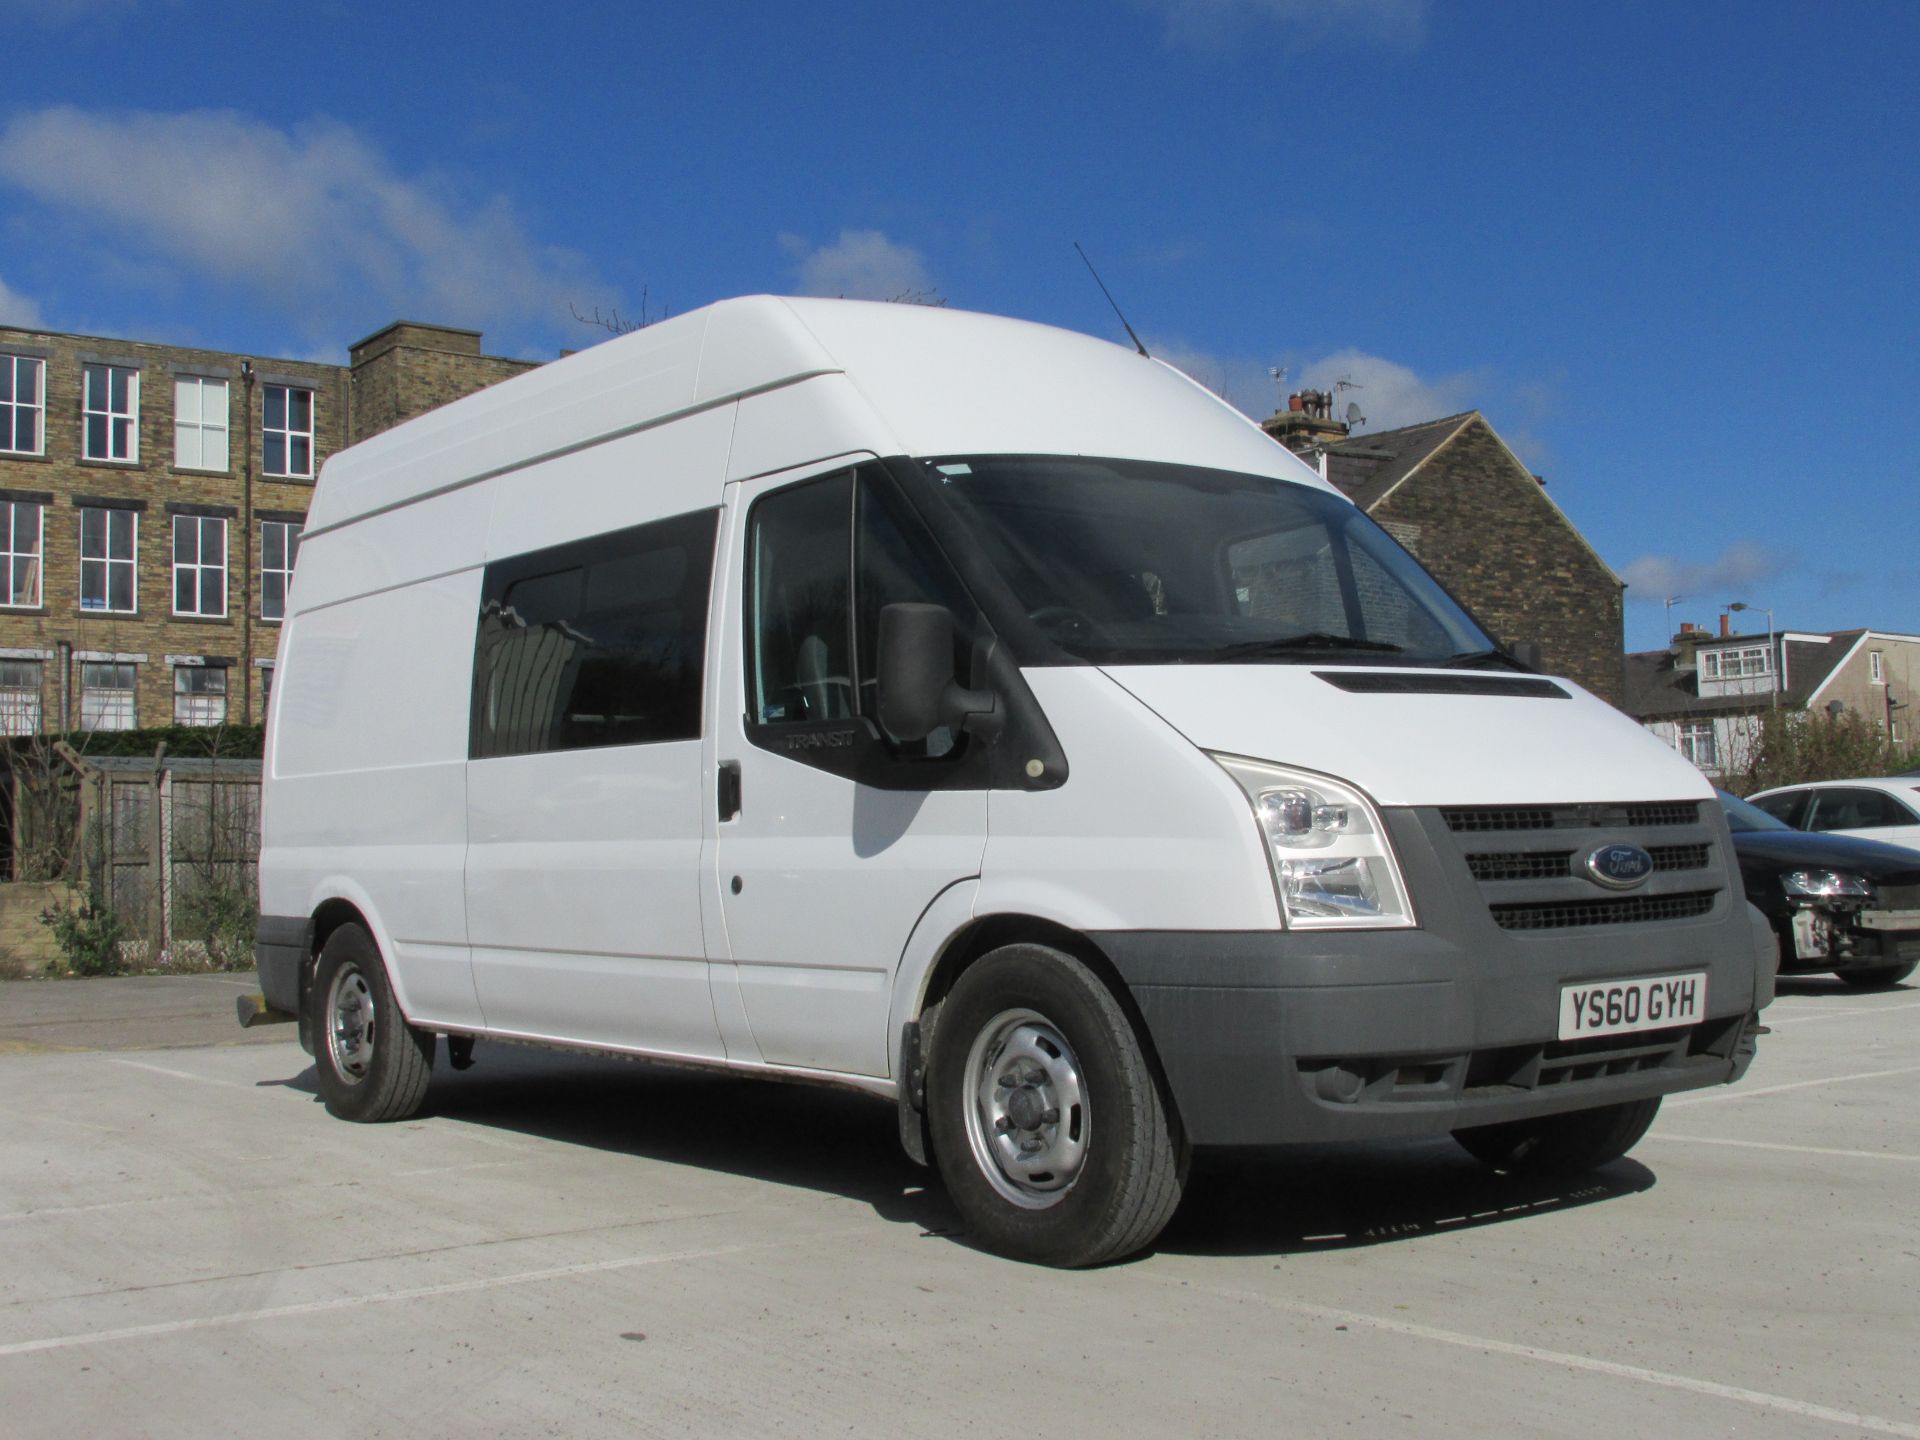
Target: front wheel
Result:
[1048, 1124]
[371, 1064]
[1568, 1144]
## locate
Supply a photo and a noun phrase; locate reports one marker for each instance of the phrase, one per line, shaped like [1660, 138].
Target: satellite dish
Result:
[1354, 417]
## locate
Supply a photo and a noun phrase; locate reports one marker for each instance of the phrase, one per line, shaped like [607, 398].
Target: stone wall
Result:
[1481, 524]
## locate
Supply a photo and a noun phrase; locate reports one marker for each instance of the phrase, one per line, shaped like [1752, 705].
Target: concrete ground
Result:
[190, 1246]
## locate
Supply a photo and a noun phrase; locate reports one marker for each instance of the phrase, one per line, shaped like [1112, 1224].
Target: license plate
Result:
[1620, 1007]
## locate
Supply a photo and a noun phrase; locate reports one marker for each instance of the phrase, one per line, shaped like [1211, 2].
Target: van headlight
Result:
[1825, 885]
[1332, 861]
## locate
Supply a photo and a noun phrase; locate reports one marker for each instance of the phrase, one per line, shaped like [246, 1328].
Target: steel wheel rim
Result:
[1028, 1119]
[350, 1024]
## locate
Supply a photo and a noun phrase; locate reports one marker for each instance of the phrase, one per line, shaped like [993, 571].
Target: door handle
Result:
[728, 789]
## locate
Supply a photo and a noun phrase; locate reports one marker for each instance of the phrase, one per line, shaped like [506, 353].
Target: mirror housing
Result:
[918, 692]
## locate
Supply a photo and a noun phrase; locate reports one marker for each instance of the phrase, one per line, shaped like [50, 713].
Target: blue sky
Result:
[1670, 250]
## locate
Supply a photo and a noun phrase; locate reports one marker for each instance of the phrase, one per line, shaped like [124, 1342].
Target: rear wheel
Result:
[1560, 1144]
[1048, 1124]
[371, 1064]
[1878, 977]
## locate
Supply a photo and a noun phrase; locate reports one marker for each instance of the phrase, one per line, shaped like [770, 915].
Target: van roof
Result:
[938, 382]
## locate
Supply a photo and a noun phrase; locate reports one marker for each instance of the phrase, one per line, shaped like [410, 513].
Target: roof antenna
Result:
[1111, 301]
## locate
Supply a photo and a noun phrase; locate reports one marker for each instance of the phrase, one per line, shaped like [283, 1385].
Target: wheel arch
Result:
[984, 934]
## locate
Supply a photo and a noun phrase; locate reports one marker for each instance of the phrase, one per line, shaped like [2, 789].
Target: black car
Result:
[1837, 903]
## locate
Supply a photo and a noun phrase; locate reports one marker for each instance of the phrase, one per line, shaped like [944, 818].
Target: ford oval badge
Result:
[1619, 867]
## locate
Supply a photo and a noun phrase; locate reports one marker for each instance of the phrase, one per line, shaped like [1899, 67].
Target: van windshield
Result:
[1137, 563]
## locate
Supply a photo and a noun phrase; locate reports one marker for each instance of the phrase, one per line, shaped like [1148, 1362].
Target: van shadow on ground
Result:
[843, 1143]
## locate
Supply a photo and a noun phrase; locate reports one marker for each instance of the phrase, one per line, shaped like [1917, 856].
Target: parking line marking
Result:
[354, 1302]
[1839, 1014]
[1740, 1094]
[176, 1074]
[1784, 1404]
[1791, 1149]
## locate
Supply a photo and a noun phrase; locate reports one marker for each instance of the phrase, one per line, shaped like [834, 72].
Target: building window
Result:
[199, 565]
[199, 423]
[106, 697]
[1697, 744]
[279, 548]
[19, 697]
[108, 539]
[199, 695]
[23, 404]
[266, 689]
[1735, 664]
[1876, 668]
[21, 523]
[287, 440]
[112, 413]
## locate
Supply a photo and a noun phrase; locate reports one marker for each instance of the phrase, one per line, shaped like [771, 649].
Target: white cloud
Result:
[314, 218]
[17, 309]
[860, 265]
[1741, 565]
[1397, 23]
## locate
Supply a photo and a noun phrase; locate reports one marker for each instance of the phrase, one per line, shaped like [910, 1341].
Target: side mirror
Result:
[918, 692]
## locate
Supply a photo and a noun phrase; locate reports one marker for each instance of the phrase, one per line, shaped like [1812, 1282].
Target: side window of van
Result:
[826, 556]
[597, 642]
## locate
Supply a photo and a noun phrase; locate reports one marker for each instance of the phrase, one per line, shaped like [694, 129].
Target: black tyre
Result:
[1878, 977]
[1048, 1124]
[1566, 1144]
[372, 1065]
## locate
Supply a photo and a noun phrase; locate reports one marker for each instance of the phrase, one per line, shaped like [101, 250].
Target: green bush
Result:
[89, 935]
[1794, 747]
[221, 917]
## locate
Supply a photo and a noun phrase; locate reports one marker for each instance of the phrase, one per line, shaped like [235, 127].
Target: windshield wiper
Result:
[1312, 642]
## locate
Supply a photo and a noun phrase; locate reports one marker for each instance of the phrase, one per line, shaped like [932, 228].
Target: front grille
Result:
[1521, 865]
[1495, 865]
[1480, 818]
[1680, 857]
[1632, 910]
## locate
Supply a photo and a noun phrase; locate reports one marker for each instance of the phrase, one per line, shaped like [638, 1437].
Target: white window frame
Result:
[120, 706]
[1876, 668]
[287, 433]
[1695, 737]
[108, 561]
[196, 707]
[1750, 662]
[290, 548]
[208, 581]
[196, 427]
[21, 706]
[11, 407]
[89, 410]
[11, 555]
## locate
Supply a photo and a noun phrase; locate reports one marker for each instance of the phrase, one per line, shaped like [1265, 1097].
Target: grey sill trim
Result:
[31, 352]
[34, 455]
[226, 474]
[95, 463]
[28, 497]
[106, 502]
[190, 619]
[292, 382]
[203, 662]
[119, 362]
[203, 372]
[282, 517]
[86, 614]
[209, 512]
[272, 478]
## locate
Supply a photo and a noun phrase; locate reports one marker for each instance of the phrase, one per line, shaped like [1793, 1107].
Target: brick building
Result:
[1482, 524]
[151, 503]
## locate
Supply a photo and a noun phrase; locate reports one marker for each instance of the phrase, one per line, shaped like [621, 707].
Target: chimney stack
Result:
[1726, 625]
[1307, 423]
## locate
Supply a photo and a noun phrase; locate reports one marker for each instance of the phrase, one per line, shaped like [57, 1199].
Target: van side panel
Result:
[583, 870]
[627, 481]
[798, 425]
[369, 777]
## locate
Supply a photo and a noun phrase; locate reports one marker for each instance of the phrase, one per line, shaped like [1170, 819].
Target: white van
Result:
[982, 716]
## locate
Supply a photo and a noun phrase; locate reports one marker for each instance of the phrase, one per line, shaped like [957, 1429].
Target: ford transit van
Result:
[985, 717]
